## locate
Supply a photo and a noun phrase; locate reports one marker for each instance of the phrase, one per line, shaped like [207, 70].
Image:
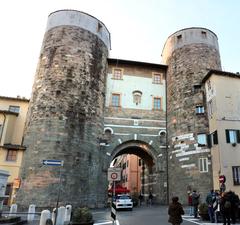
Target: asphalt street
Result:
[144, 215]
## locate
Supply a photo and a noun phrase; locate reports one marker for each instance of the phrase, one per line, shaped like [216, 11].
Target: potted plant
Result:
[203, 211]
[82, 216]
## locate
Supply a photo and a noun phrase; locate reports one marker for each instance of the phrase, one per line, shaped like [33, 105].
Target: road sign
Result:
[222, 179]
[52, 162]
[114, 174]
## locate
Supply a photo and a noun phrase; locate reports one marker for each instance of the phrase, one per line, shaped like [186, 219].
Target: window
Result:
[117, 74]
[197, 88]
[236, 175]
[137, 95]
[116, 100]
[11, 155]
[157, 103]
[214, 138]
[202, 139]
[199, 109]
[204, 34]
[179, 38]
[232, 136]
[13, 108]
[203, 165]
[157, 78]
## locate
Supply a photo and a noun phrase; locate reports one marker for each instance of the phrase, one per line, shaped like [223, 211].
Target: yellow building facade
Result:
[222, 100]
[13, 112]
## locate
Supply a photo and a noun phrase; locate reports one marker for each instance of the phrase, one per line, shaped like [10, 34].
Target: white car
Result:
[124, 202]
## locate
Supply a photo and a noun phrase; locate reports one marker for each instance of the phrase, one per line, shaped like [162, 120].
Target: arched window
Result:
[108, 132]
[137, 95]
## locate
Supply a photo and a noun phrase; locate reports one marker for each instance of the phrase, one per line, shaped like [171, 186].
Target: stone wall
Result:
[65, 120]
[187, 67]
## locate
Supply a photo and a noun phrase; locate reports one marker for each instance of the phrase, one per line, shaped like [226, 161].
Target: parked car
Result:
[124, 202]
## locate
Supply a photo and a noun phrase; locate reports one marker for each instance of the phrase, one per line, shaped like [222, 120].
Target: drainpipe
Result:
[2, 128]
[166, 116]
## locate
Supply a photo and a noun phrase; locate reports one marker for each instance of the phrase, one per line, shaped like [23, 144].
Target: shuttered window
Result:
[236, 175]
[232, 136]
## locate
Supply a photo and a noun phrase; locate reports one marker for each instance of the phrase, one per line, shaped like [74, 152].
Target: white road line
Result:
[108, 222]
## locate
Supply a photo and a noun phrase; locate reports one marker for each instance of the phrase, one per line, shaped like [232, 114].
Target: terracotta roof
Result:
[136, 63]
[220, 73]
[14, 99]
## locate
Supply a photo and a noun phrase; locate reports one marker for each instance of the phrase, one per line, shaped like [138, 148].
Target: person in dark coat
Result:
[225, 208]
[175, 212]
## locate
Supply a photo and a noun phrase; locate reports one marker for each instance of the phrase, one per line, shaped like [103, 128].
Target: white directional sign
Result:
[114, 174]
[52, 162]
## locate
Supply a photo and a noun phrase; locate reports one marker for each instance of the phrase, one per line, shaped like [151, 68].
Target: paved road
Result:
[154, 215]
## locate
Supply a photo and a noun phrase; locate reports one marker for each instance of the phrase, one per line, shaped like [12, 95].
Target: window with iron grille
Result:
[116, 100]
[157, 103]
[157, 78]
[11, 155]
[117, 74]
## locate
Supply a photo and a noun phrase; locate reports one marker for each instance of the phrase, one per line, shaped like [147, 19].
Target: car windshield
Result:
[123, 197]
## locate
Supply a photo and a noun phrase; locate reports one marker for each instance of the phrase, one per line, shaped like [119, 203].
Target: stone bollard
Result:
[60, 215]
[68, 212]
[45, 215]
[31, 212]
[13, 210]
[54, 215]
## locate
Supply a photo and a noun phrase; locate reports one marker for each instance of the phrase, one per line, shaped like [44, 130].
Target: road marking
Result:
[108, 222]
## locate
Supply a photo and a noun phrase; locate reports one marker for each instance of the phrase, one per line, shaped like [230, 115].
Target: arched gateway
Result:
[153, 176]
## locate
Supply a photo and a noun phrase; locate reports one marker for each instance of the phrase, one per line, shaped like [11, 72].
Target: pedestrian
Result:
[140, 198]
[225, 208]
[150, 198]
[234, 199]
[195, 202]
[209, 200]
[190, 203]
[175, 212]
[216, 206]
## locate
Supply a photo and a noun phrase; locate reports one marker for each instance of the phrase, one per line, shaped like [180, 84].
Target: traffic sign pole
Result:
[53, 162]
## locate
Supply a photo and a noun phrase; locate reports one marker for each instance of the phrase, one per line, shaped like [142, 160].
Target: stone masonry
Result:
[187, 65]
[65, 118]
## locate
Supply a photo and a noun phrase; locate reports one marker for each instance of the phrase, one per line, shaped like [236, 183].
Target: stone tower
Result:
[189, 53]
[65, 118]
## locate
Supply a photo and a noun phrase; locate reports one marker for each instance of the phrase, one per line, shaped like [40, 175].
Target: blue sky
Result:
[139, 29]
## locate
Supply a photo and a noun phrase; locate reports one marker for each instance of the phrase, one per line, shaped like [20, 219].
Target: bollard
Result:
[60, 215]
[31, 211]
[13, 210]
[45, 215]
[68, 212]
[54, 215]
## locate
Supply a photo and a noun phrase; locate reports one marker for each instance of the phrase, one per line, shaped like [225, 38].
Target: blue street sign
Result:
[52, 162]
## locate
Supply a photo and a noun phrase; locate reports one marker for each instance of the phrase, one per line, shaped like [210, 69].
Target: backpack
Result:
[227, 205]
